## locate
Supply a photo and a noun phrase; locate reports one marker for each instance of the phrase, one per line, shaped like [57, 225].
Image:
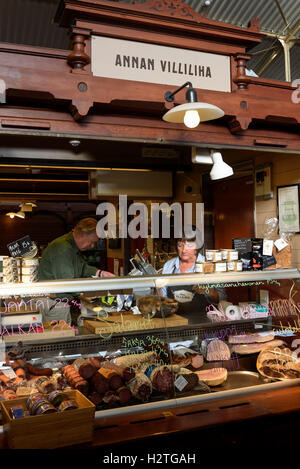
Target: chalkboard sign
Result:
[242, 244]
[20, 247]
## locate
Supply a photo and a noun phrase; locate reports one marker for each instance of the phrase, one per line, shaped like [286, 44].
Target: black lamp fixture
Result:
[192, 112]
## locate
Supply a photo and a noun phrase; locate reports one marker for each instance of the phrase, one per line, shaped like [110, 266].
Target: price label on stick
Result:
[20, 247]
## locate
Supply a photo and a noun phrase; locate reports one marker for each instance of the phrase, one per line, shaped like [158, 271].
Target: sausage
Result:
[124, 395]
[112, 366]
[86, 370]
[110, 397]
[140, 386]
[190, 378]
[100, 383]
[83, 387]
[114, 379]
[127, 373]
[33, 370]
[95, 398]
[74, 378]
[96, 362]
[162, 379]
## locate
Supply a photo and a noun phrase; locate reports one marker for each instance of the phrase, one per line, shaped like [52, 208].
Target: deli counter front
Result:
[135, 367]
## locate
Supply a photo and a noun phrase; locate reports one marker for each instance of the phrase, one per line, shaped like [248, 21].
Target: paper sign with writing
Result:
[152, 63]
[20, 247]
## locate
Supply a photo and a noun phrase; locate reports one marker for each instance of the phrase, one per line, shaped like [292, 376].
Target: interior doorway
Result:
[233, 201]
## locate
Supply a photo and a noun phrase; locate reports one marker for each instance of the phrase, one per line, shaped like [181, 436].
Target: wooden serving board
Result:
[132, 322]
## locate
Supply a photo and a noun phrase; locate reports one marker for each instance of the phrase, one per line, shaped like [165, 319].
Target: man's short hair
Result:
[86, 226]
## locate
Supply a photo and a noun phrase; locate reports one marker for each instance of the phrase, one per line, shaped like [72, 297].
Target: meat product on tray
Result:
[185, 356]
[135, 359]
[251, 337]
[212, 376]
[244, 349]
[216, 349]
[278, 363]
[185, 380]
[140, 386]
[114, 379]
[162, 378]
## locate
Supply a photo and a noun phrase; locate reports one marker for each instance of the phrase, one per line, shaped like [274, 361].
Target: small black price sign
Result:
[20, 247]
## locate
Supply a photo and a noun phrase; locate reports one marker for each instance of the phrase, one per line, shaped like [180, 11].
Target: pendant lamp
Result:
[192, 112]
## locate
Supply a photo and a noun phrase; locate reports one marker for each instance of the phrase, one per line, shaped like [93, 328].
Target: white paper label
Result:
[180, 383]
[9, 373]
[267, 247]
[183, 296]
[280, 244]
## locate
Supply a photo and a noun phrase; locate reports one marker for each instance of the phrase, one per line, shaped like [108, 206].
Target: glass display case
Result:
[173, 357]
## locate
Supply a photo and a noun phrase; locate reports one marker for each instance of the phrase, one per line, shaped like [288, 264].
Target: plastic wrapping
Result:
[270, 228]
[278, 363]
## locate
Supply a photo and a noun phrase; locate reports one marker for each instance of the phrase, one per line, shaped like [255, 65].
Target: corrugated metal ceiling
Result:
[30, 22]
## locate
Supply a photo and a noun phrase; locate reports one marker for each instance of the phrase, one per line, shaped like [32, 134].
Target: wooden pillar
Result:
[78, 59]
[241, 78]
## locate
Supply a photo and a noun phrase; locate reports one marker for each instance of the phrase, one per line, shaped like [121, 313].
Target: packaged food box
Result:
[51, 430]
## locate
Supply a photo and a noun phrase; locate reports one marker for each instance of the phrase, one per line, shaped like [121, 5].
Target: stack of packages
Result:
[268, 252]
[11, 269]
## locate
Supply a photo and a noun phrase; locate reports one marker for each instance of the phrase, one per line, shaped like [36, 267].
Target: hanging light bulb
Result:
[191, 112]
[191, 119]
[11, 214]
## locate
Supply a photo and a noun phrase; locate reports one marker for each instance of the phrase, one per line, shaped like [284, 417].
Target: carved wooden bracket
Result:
[241, 79]
[78, 58]
[239, 123]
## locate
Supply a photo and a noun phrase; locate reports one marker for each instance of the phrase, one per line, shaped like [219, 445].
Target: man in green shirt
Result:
[62, 259]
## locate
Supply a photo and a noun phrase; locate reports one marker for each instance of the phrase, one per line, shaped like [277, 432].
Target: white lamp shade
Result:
[205, 111]
[220, 169]
[20, 214]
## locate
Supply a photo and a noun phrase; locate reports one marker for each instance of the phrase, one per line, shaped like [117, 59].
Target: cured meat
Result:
[197, 361]
[185, 356]
[135, 359]
[277, 363]
[185, 380]
[100, 383]
[140, 386]
[124, 395]
[244, 349]
[114, 379]
[95, 398]
[84, 368]
[213, 376]
[217, 350]
[74, 378]
[251, 337]
[162, 378]
[110, 397]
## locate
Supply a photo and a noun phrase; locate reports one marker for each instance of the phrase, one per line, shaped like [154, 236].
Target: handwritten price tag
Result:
[20, 247]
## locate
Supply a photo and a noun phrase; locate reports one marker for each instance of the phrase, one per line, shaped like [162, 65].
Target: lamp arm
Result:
[170, 96]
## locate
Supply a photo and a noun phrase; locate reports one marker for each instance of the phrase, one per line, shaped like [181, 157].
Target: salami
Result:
[100, 383]
[124, 395]
[140, 386]
[162, 378]
[114, 379]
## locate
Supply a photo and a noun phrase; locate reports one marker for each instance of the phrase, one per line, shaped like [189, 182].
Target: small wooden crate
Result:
[49, 431]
